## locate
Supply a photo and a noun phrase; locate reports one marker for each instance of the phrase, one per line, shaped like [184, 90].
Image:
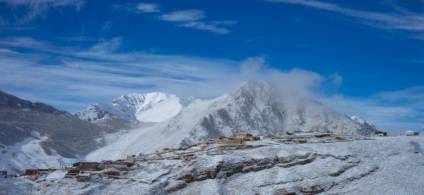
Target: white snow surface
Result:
[389, 165]
[153, 137]
[150, 107]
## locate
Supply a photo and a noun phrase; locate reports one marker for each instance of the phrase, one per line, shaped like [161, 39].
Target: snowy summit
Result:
[150, 107]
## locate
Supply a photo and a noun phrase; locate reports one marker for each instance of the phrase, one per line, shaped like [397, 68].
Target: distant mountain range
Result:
[38, 135]
[256, 107]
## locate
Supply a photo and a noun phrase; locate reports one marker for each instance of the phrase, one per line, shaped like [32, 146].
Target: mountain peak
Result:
[149, 107]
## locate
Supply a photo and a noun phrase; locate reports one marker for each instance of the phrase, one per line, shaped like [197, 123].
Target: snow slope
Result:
[154, 137]
[150, 107]
[389, 165]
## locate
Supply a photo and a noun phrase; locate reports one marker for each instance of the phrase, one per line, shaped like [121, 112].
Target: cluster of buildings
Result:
[238, 138]
[83, 171]
[406, 133]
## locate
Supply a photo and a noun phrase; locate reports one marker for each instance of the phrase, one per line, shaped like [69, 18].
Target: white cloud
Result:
[336, 79]
[207, 27]
[253, 67]
[105, 46]
[192, 18]
[297, 83]
[183, 16]
[23, 42]
[395, 20]
[37, 8]
[148, 7]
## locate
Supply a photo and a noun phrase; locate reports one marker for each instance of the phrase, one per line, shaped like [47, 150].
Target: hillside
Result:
[392, 165]
[31, 132]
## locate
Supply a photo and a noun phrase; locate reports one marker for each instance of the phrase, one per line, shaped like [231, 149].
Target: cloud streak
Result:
[401, 21]
[148, 7]
[192, 18]
[207, 27]
[38, 8]
[183, 16]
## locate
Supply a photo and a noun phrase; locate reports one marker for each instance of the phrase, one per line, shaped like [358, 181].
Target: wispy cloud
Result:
[37, 8]
[195, 19]
[183, 16]
[148, 7]
[192, 18]
[208, 27]
[396, 20]
[23, 42]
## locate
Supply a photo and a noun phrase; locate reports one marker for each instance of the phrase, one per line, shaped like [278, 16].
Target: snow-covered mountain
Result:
[150, 107]
[259, 108]
[38, 135]
[256, 108]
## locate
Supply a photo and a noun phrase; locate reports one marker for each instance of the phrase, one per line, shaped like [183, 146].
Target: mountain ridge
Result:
[149, 107]
[254, 108]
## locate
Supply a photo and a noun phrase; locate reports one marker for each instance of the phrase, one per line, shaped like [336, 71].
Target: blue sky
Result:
[361, 58]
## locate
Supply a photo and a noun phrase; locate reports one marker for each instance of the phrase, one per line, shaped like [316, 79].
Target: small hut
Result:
[189, 157]
[380, 133]
[246, 137]
[83, 177]
[242, 136]
[234, 141]
[88, 166]
[166, 150]
[35, 171]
